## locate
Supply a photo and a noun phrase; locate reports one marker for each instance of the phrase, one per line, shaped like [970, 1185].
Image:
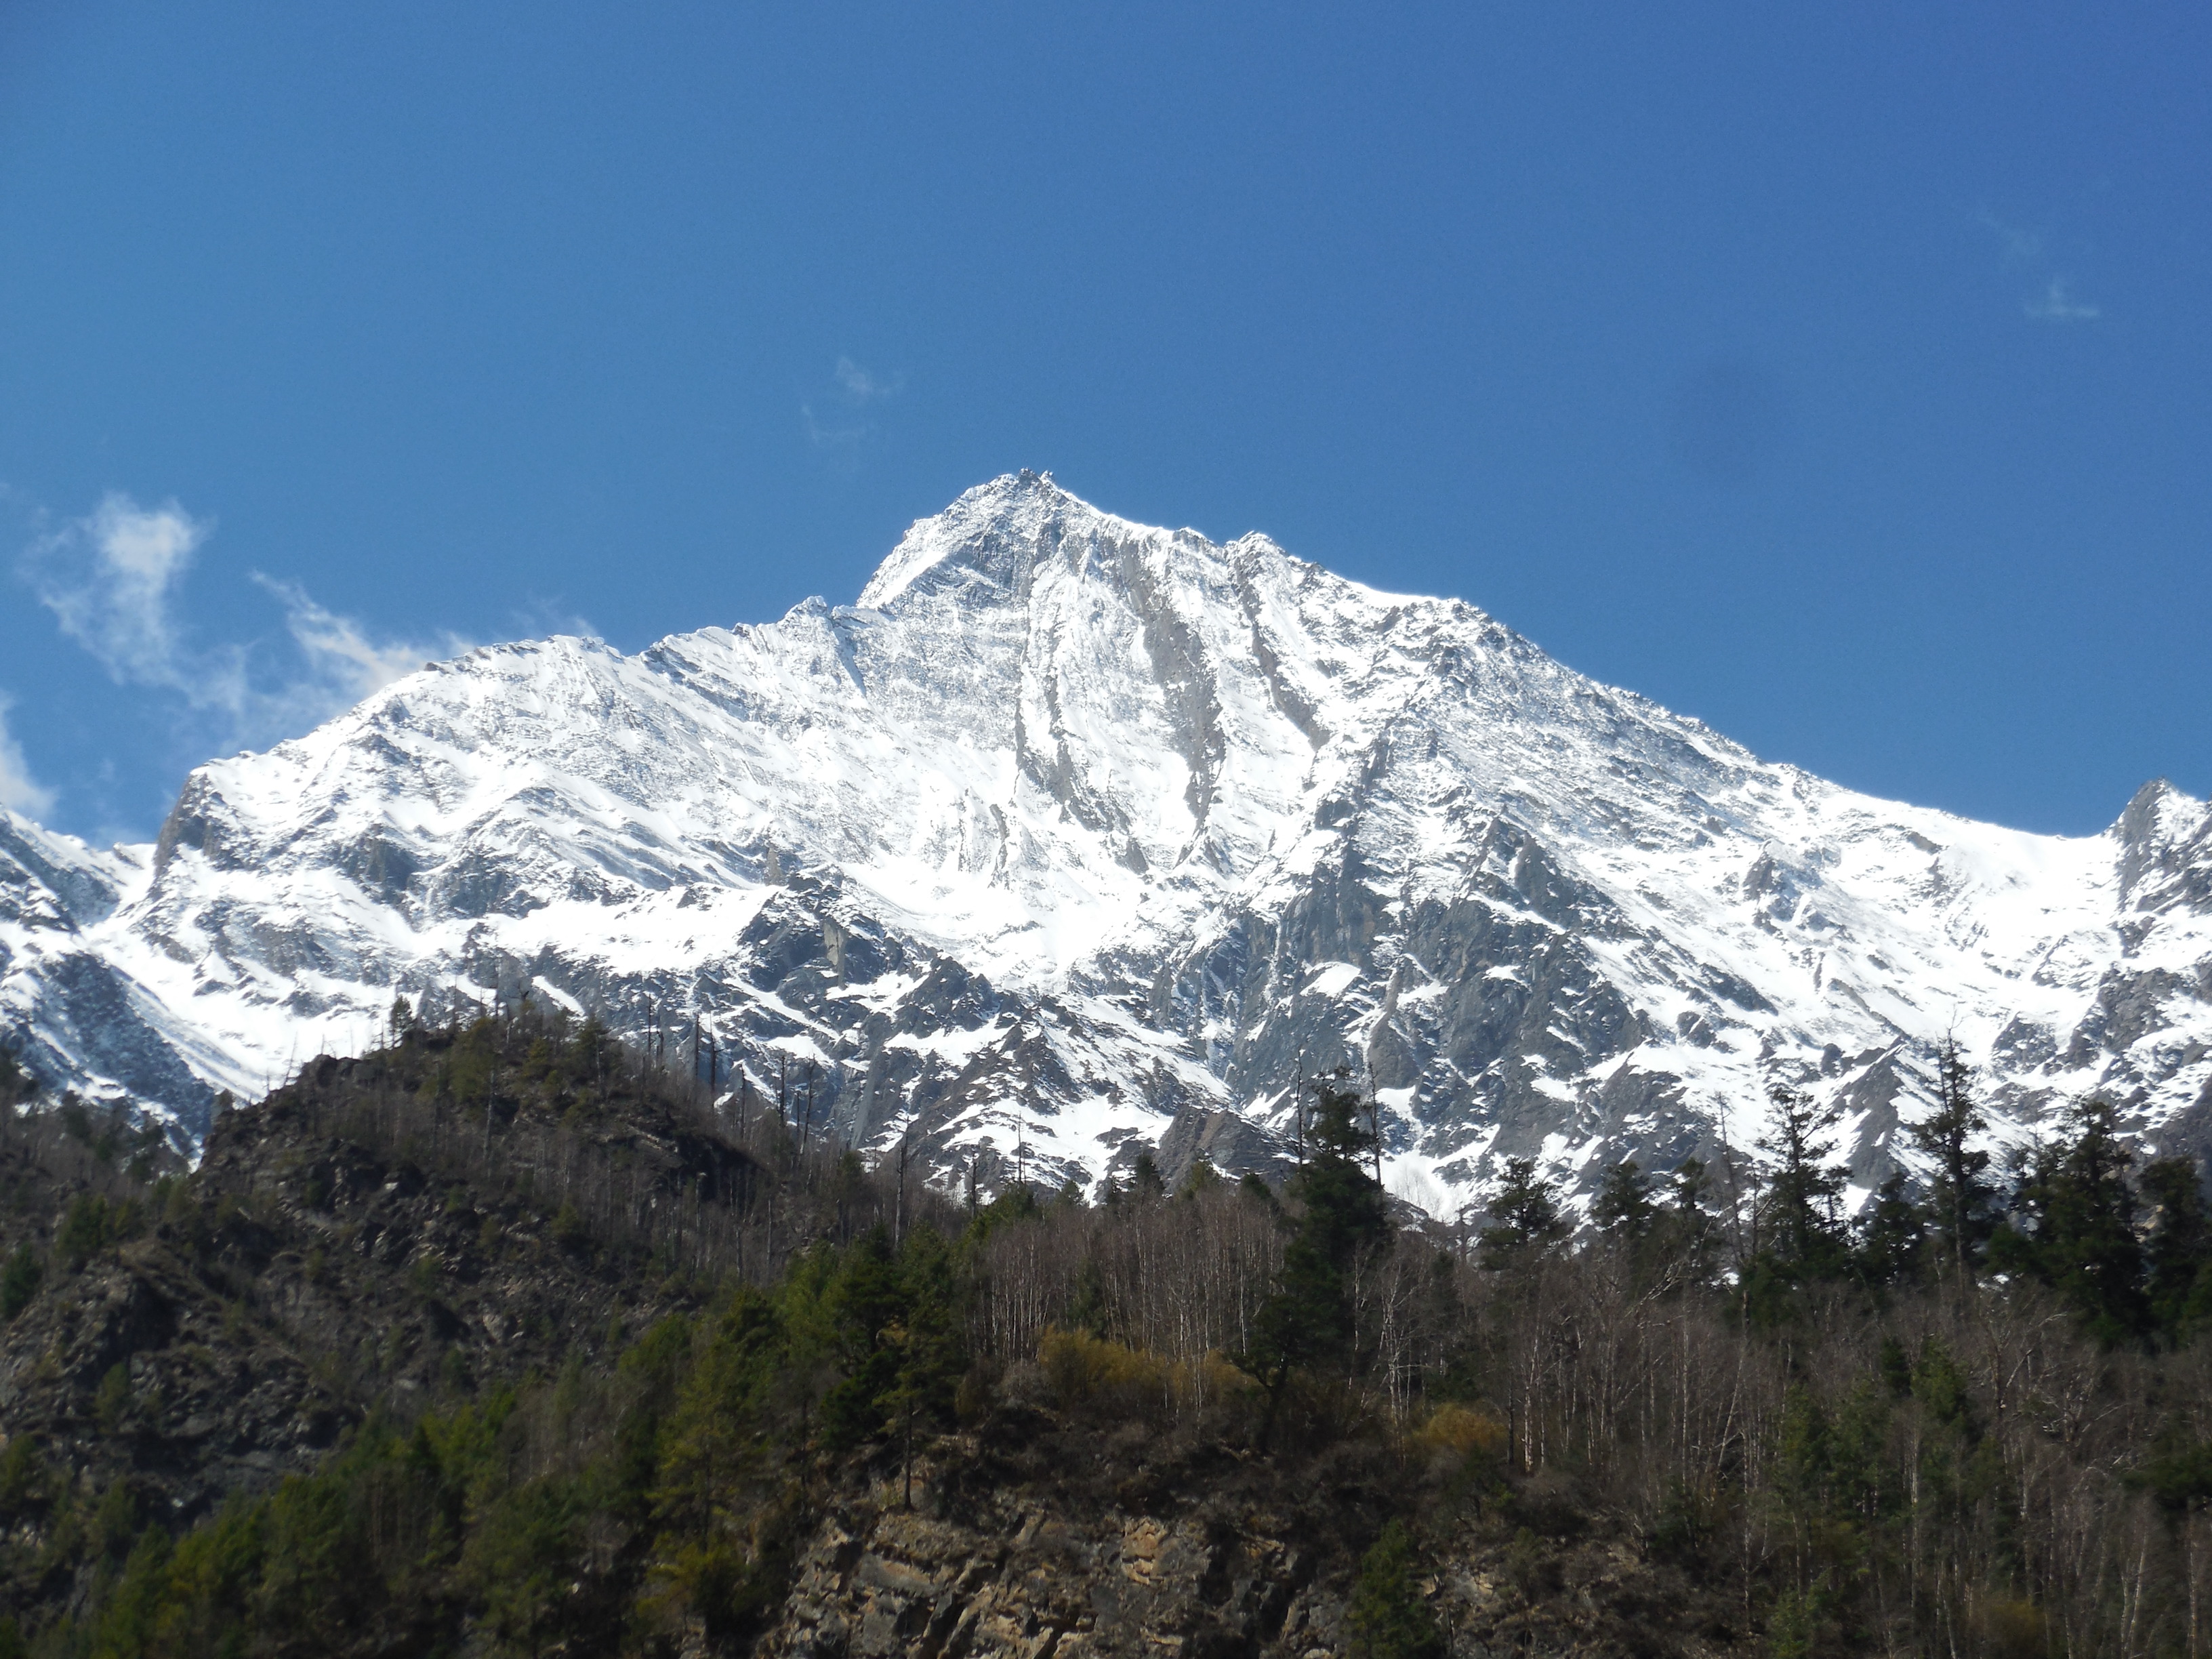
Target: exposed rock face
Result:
[69, 1008]
[1071, 826]
[1203, 1553]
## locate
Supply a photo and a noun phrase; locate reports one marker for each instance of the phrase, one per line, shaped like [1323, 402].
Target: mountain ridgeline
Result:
[1074, 840]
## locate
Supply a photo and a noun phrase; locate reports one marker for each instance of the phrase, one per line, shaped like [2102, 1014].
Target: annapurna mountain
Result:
[1073, 836]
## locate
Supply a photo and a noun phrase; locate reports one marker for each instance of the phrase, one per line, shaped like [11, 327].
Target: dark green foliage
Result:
[2177, 1254]
[20, 1280]
[1903, 1460]
[2073, 1224]
[1200, 1177]
[589, 1052]
[24, 1478]
[1524, 1217]
[1800, 1229]
[1941, 1387]
[1623, 1204]
[1687, 1235]
[1892, 1242]
[1387, 1618]
[488, 1514]
[2179, 1475]
[1960, 1202]
[111, 1404]
[91, 1224]
[1671, 1240]
[1308, 1323]
[863, 1302]
[1086, 1308]
[1145, 1180]
[16, 1084]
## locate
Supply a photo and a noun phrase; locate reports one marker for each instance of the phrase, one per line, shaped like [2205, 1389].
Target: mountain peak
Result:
[992, 536]
[1075, 828]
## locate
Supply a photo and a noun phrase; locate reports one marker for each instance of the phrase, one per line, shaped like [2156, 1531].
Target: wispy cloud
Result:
[18, 788]
[112, 577]
[829, 437]
[2019, 244]
[866, 388]
[2057, 305]
[2055, 301]
[832, 420]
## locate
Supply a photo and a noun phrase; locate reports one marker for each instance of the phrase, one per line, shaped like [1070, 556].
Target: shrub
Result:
[1084, 1371]
[91, 1225]
[1388, 1618]
[1461, 1430]
[20, 1281]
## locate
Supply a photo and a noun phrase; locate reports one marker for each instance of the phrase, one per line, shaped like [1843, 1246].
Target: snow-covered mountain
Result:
[1074, 836]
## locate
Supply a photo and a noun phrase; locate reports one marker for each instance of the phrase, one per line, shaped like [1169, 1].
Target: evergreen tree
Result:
[1623, 1205]
[15, 1084]
[2177, 1253]
[1804, 1234]
[1960, 1203]
[1524, 1217]
[1893, 1243]
[20, 1281]
[1308, 1320]
[1688, 1233]
[2073, 1224]
[1144, 1179]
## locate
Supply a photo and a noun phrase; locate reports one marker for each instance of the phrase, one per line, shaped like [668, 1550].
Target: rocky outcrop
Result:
[1178, 1546]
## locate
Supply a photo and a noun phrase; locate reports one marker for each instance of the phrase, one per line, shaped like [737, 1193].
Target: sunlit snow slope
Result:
[1073, 835]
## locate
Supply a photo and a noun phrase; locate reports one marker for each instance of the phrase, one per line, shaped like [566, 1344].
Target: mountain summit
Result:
[1075, 837]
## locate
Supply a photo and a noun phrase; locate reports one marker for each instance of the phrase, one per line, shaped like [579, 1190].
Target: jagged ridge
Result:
[1072, 825]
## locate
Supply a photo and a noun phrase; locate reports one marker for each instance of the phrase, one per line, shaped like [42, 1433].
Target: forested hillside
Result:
[501, 1339]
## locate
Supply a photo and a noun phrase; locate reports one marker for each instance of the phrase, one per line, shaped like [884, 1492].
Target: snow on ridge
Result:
[1080, 824]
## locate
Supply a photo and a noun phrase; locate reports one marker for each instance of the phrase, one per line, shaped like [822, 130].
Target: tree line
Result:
[1972, 1419]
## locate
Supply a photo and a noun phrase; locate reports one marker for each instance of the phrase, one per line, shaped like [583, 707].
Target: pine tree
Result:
[1623, 1205]
[2073, 1224]
[1307, 1320]
[1145, 1178]
[15, 1084]
[1804, 1232]
[1960, 1203]
[1892, 1242]
[1687, 1234]
[2177, 1253]
[1524, 1217]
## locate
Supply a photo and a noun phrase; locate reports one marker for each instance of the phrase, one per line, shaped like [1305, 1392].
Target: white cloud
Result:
[2018, 244]
[2056, 302]
[112, 580]
[341, 657]
[829, 437]
[18, 788]
[866, 388]
[856, 389]
[2055, 305]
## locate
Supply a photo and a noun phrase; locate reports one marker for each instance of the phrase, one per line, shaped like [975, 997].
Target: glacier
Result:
[1074, 837]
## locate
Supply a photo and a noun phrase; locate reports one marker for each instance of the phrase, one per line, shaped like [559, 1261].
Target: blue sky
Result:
[1840, 375]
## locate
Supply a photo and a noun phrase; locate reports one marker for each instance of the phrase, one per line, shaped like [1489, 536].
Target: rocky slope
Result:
[1190, 1548]
[1074, 836]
